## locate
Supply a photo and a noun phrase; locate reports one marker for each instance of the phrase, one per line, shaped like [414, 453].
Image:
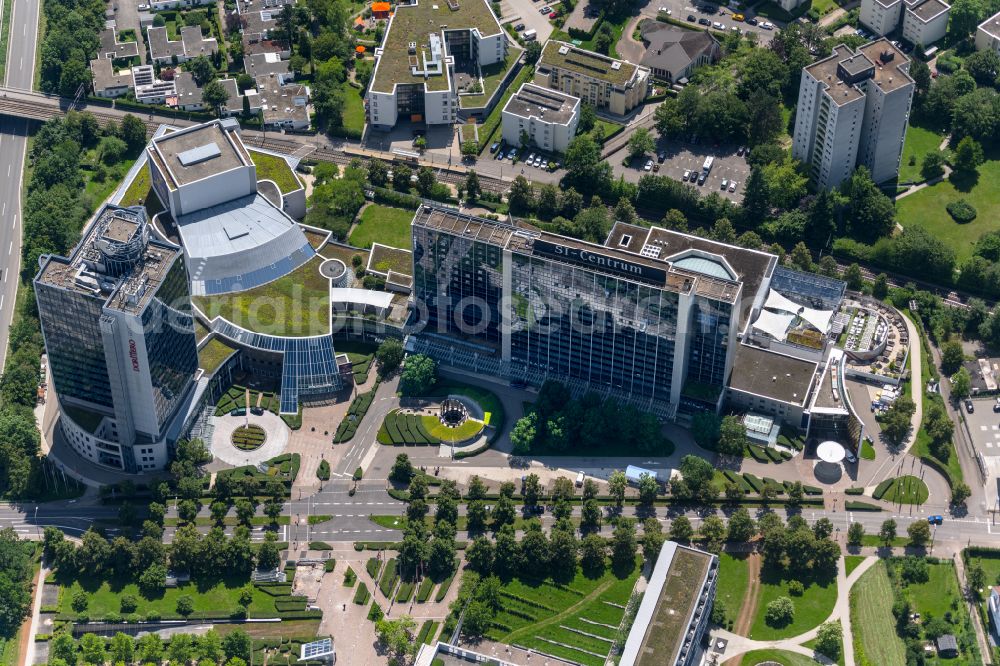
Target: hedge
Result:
[372, 566]
[755, 483]
[757, 453]
[443, 588]
[854, 505]
[358, 409]
[855, 491]
[319, 545]
[388, 579]
[361, 594]
[405, 591]
[426, 585]
[399, 429]
[882, 488]
[737, 479]
[812, 490]
[773, 455]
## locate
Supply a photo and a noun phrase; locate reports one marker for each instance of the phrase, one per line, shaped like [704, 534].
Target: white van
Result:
[529, 35]
[579, 480]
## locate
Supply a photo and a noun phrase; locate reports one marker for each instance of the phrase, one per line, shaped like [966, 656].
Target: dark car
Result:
[969, 407]
[518, 384]
[751, 21]
[519, 27]
[704, 21]
[935, 520]
[691, 18]
[661, 157]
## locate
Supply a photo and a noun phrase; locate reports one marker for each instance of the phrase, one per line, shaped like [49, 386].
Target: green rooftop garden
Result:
[383, 224]
[272, 167]
[213, 354]
[296, 305]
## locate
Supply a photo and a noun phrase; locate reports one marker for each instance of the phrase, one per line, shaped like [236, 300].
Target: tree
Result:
[648, 489]
[741, 526]
[713, 530]
[153, 580]
[932, 165]
[951, 357]
[617, 483]
[112, 150]
[919, 533]
[880, 288]
[268, 556]
[732, 436]
[779, 612]
[896, 422]
[855, 534]
[92, 649]
[480, 555]
[652, 539]
[828, 639]
[202, 70]
[965, 16]
[477, 516]
[533, 51]
[122, 648]
[870, 214]
[62, 646]
[887, 533]
[504, 513]
[237, 644]
[590, 516]
[185, 605]
[623, 545]
[593, 550]
[524, 433]
[968, 155]
[640, 143]
[472, 187]
[960, 492]
[852, 275]
[521, 197]
[402, 469]
[681, 529]
[961, 384]
[976, 578]
[586, 170]
[705, 428]
[272, 509]
[419, 375]
[133, 132]
[378, 173]
[215, 95]
[244, 511]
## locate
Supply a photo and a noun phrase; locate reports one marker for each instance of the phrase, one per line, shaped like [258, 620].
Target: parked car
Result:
[969, 407]
[935, 520]
[519, 27]
[553, 15]
[648, 166]
[545, 10]
[752, 21]
[996, 405]
[767, 25]
[531, 158]
[725, 183]
[512, 153]
[500, 155]
[538, 160]
[704, 21]
[687, 174]
[661, 157]
[495, 147]
[718, 25]
[702, 177]
[738, 17]
[692, 18]
[664, 10]
[732, 185]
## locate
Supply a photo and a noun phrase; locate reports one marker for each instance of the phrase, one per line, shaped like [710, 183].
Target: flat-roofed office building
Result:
[617, 86]
[652, 316]
[547, 118]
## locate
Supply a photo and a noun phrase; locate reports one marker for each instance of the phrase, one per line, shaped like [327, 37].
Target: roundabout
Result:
[233, 437]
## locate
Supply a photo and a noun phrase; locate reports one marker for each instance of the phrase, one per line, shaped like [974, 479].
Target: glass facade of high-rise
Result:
[598, 328]
[171, 344]
[708, 346]
[73, 343]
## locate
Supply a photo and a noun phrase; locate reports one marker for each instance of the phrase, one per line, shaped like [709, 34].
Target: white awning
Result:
[377, 299]
[774, 324]
[818, 319]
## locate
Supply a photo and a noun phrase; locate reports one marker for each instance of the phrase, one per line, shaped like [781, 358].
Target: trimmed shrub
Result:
[961, 211]
[882, 488]
[361, 594]
[854, 505]
[855, 491]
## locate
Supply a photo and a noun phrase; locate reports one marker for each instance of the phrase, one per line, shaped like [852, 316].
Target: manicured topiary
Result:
[961, 211]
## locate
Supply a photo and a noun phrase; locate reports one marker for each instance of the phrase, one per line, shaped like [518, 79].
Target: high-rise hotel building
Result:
[116, 317]
[651, 316]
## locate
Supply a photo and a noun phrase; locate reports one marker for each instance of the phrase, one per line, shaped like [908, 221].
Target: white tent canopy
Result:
[818, 319]
[830, 451]
[774, 324]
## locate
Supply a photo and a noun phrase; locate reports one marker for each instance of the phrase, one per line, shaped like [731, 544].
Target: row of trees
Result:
[558, 421]
[233, 649]
[71, 29]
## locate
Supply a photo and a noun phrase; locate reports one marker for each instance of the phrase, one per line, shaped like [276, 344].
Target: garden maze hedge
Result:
[400, 429]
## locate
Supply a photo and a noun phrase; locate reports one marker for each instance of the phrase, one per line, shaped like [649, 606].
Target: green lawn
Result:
[732, 583]
[851, 562]
[466, 430]
[492, 76]
[867, 450]
[488, 400]
[272, 167]
[919, 142]
[604, 129]
[875, 639]
[354, 108]
[220, 597]
[211, 356]
[812, 608]
[297, 304]
[383, 224]
[906, 490]
[936, 594]
[617, 27]
[542, 614]
[926, 209]
[778, 656]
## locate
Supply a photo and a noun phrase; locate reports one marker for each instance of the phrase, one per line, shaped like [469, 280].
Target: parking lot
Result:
[984, 426]
[681, 157]
[527, 12]
[681, 9]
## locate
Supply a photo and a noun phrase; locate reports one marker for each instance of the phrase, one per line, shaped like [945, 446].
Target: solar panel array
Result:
[818, 291]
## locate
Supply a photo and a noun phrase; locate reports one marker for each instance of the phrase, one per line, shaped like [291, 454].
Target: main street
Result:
[13, 143]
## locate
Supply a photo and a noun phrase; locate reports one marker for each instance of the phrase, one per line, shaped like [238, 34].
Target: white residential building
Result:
[853, 110]
[547, 117]
[616, 86]
[988, 34]
[923, 21]
[415, 76]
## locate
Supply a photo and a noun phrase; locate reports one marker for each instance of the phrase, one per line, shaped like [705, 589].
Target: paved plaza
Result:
[222, 445]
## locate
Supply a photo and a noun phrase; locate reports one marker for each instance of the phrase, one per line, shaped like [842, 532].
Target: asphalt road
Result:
[13, 142]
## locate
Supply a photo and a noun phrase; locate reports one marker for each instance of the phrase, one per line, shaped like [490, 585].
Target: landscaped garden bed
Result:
[249, 437]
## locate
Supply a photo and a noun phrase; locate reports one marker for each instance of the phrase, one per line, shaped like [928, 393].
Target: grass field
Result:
[812, 608]
[354, 108]
[867, 450]
[383, 224]
[296, 304]
[919, 142]
[732, 582]
[604, 129]
[778, 656]
[851, 563]
[271, 167]
[872, 622]
[543, 614]
[211, 356]
[906, 490]
[221, 597]
[936, 594]
[926, 209]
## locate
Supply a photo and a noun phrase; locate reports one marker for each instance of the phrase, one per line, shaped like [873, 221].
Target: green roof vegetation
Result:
[385, 259]
[213, 354]
[677, 601]
[413, 23]
[586, 63]
[200, 331]
[296, 305]
[272, 167]
[383, 224]
[492, 77]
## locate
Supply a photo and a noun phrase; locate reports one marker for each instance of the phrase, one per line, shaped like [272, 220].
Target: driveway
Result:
[127, 18]
[526, 12]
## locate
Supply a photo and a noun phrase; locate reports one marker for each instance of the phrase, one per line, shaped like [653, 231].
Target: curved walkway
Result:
[222, 445]
[739, 645]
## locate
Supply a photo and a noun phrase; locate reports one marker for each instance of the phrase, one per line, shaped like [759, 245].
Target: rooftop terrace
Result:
[413, 24]
[194, 154]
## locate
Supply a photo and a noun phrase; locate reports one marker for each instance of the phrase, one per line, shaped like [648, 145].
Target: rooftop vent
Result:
[616, 65]
[412, 47]
[199, 154]
[563, 50]
[886, 56]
